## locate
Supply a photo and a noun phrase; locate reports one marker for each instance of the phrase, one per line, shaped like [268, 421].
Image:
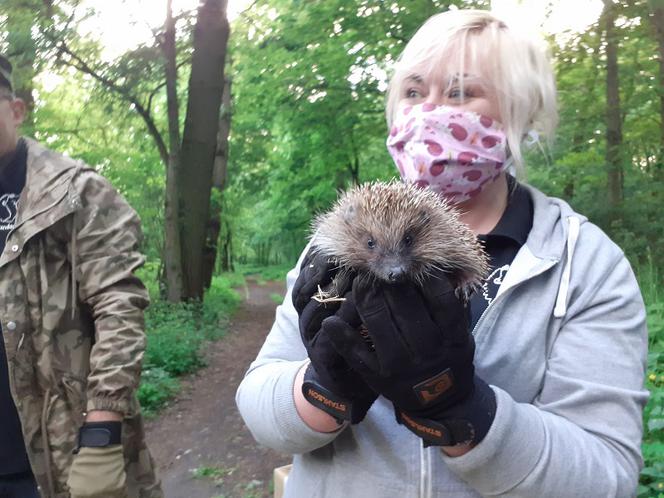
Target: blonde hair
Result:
[515, 65]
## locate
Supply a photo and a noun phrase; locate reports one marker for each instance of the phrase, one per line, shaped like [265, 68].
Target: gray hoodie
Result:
[563, 345]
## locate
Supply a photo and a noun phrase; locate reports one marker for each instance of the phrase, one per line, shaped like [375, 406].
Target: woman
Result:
[550, 403]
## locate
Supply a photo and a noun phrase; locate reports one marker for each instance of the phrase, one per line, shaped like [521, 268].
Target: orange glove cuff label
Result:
[433, 388]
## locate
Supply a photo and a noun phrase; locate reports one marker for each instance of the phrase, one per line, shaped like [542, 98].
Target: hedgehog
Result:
[395, 232]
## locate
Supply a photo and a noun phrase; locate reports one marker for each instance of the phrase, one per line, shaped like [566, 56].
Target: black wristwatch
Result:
[99, 435]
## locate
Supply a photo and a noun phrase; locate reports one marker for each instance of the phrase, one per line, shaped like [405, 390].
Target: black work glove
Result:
[329, 383]
[420, 356]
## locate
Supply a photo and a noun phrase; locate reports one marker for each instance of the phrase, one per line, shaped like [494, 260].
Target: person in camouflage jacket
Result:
[71, 311]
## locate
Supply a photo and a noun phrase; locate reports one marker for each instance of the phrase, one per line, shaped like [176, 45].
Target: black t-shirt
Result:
[502, 244]
[13, 457]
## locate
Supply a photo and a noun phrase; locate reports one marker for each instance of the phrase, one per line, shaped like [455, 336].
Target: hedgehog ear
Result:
[349, 214]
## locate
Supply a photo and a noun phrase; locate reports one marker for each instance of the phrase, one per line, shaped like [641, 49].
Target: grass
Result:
[215, 473]
[176, 336]
[218, 473]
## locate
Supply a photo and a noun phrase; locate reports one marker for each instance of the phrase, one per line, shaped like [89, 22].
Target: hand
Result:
[329, 383]
[420, 356]
[98, 473]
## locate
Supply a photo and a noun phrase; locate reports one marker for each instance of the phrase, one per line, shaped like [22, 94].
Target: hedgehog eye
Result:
[371, 243]
[408, 240]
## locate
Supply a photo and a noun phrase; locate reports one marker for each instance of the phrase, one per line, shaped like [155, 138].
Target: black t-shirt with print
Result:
[13, 458]
[502, 244]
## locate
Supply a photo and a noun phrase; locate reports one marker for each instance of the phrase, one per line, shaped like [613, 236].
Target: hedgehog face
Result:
[390, 259]
[388, 247]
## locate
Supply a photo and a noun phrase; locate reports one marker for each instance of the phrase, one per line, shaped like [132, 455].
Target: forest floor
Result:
[200, 443]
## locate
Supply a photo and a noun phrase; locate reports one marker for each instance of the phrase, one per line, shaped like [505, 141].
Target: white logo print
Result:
[496, 277]
[8, 210]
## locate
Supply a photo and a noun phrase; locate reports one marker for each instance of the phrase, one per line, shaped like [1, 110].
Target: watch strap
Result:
[99, 434]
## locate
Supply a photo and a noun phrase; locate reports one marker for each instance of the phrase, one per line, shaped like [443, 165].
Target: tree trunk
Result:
[172, 246]
[218, 185]
[613, 118]
[657, 21]
[226, 259]
[200, 139]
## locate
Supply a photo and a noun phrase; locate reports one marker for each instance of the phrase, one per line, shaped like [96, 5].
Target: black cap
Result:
[6, 73]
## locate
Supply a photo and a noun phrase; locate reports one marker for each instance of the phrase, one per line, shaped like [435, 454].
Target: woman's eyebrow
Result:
[415, 78]
[467, 77]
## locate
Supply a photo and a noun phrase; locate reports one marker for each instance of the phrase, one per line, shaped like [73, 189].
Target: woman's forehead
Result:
[445, 78]
[449, 63]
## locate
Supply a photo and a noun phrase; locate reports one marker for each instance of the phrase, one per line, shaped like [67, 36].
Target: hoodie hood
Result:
[548, 236]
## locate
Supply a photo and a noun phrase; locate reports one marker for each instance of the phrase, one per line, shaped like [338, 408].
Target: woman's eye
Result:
[412, 93]
[457, 94]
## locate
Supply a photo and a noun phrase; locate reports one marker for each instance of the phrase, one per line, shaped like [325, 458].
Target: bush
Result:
[156, 388]
[176, 335]
[174, 338]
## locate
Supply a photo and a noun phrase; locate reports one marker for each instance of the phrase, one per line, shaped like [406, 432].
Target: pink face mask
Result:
[456, 153]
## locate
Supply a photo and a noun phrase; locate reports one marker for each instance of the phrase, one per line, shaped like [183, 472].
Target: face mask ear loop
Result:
[533, 139]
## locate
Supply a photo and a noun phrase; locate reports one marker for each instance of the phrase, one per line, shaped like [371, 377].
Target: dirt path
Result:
[200, 443]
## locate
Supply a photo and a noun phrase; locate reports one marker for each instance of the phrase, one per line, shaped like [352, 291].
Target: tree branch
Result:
[161, 85]
[78, 63]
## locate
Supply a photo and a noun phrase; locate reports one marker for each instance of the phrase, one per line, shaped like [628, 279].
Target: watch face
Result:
[95, 437]
[100, 434]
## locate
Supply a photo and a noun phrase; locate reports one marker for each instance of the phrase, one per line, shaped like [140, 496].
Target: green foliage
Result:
[273, 272]
[652, 476]
[308, 87]
[157, 387]
[232, 280]
[214, 472]
[176, 336]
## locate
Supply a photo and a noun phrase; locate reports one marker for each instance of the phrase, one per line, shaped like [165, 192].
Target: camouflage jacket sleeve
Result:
[105, 254]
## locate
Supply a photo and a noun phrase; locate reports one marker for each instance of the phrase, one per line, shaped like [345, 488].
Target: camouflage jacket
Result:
[71, 311]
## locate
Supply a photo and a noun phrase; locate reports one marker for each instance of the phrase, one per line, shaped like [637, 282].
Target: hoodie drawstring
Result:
[572, 235]
[425, 471]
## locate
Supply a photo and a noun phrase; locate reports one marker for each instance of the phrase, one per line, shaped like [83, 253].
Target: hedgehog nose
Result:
[396, 274]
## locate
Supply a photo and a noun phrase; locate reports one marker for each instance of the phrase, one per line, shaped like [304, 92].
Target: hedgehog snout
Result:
[391, 270]
[396, 273]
